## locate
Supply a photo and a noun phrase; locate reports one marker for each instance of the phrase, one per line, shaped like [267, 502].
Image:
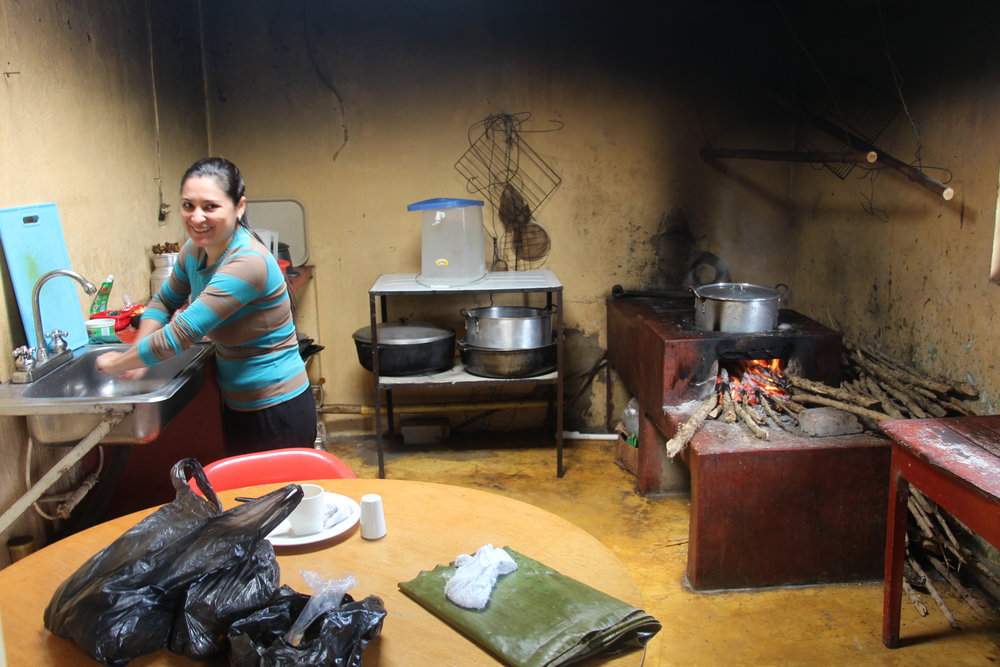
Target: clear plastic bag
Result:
[335, 637]
[630, 420]
[327, 595]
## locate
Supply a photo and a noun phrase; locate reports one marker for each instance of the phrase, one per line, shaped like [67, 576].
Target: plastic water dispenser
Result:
[452, 249]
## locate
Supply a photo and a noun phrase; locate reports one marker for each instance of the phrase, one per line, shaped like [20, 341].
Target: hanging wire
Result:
[897, 81]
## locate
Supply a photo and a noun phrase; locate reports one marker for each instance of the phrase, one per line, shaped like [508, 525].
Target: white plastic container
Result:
[270, 240]
[452, 249]
[100, 326]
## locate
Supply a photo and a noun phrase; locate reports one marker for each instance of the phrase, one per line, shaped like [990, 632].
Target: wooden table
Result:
[956, 463]
[427, 524]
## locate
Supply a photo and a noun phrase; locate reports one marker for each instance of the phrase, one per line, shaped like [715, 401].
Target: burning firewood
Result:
[684, 434]
[750, 419]
[728, 407]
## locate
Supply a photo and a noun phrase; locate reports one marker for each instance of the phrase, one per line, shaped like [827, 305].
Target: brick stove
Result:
[787, 510]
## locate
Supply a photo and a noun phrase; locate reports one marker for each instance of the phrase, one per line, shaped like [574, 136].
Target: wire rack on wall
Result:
[508, 173]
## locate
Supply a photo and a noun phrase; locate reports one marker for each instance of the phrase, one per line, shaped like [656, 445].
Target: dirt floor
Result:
[809, 625]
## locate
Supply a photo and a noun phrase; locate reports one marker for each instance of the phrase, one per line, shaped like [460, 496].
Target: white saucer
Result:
[347, 514]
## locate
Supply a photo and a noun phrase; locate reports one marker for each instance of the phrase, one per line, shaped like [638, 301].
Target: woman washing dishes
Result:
[240, 302]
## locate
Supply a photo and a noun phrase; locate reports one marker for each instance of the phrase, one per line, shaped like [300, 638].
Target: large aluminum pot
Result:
[407, 348]
[522, 363]
[737, 307]
[508, 327]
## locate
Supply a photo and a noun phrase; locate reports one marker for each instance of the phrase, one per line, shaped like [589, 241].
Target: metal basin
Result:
[65, 405]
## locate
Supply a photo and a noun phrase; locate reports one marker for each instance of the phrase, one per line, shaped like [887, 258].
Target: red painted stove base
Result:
[785, 511]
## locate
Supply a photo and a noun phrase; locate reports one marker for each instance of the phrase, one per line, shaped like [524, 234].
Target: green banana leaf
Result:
[537, 616]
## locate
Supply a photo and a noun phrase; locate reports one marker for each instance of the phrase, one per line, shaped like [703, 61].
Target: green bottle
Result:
[101, 300]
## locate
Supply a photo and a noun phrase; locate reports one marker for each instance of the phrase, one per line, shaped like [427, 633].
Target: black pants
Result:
[288, 424]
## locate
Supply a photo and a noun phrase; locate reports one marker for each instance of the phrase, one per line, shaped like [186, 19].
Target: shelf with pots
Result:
[409, 285]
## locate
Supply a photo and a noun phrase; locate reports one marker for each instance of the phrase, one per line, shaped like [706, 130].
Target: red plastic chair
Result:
[292, 464]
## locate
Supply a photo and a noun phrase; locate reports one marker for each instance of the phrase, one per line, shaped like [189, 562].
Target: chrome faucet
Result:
[47, 357]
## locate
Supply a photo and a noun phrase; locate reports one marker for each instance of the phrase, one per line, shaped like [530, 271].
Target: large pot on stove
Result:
[508, 327]
[737, 307]
[407, 348]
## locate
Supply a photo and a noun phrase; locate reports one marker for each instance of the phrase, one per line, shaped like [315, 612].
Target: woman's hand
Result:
[134, 374]
[113, 364]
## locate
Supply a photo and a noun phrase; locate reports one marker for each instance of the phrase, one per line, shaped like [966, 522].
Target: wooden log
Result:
[846, 407]
[783, 406]
[750, 422]
[891, 386]
[921, 519]
[941, 388]
[934, 594]
[888, 405]
[959, 406]
[793, 406]
[962, 591]
[914, 598]
[751, 413]
[985, 570]
[728, 406]
[832, 392]
[766, 403]
[854, 142]
[931, 510]
[687, 430]
[965, 390]
[815, 157]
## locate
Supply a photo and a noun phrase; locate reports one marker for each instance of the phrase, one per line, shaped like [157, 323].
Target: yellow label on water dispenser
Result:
[441, 262]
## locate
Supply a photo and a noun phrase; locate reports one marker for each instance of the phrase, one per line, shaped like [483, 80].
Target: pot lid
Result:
[736, 292]
[403, 332]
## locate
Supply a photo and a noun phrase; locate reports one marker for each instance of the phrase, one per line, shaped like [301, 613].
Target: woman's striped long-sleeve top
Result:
[240, 303]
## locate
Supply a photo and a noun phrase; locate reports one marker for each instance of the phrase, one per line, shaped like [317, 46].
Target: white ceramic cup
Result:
[372, 517]
[307, 518]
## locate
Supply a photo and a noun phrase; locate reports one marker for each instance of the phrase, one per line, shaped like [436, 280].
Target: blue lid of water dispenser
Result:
[442, 202]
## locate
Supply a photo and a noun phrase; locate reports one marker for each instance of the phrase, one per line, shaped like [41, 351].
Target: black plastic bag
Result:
[213, 602]
[336, 637]
[128, 598]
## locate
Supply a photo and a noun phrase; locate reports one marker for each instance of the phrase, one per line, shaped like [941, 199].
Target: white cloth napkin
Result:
[475, 576]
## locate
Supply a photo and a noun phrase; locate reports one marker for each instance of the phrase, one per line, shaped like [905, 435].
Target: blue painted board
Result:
[33, 245]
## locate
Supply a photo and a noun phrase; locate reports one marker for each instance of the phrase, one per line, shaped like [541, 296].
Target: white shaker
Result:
[372, 517]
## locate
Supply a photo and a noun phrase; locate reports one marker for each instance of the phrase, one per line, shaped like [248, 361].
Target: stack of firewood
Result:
[901, 393]
[875, 387]
[934, 538]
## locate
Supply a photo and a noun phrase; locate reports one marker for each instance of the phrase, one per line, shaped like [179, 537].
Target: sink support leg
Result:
[112, 419]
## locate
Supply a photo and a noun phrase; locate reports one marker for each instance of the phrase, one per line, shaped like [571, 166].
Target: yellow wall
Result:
[78, 128]
[358, 109]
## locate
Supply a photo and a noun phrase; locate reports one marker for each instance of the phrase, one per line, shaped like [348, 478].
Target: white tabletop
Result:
[494, 281]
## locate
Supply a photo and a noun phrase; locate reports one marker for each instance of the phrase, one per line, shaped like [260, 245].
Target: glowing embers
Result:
[751, 381]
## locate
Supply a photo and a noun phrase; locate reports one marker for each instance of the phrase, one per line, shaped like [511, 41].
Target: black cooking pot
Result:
[407, 348]
[284, 253]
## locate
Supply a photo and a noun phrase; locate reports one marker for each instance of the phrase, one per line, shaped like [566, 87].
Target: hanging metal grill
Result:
[502, 168]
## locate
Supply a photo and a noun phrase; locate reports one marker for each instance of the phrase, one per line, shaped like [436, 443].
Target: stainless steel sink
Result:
[66, 405]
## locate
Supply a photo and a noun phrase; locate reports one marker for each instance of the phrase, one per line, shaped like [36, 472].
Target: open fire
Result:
[754, 392]
[747, 379]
